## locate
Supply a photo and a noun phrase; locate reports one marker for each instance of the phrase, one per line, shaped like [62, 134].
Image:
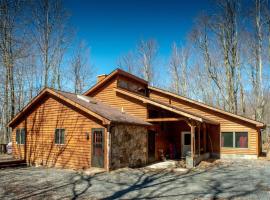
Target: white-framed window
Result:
[59, 136]
[20, 136]
[237, 139]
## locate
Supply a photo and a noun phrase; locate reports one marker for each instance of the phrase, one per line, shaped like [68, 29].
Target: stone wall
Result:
[128, 146]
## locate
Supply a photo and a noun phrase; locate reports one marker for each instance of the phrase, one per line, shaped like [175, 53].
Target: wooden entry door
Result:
[97, 147]
[151, 146]
[185, 143]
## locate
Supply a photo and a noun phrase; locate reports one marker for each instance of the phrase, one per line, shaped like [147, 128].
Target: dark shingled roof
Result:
[112, 114]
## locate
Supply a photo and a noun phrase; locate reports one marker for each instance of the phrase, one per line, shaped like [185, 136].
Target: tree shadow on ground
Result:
[79, 184]
[162, 184]
[222, 182]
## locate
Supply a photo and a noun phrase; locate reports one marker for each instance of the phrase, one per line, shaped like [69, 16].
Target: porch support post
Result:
[108, 146]
[192, 140]
[204, 138]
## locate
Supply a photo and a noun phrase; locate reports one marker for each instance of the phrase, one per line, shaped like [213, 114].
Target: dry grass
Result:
[210, 163]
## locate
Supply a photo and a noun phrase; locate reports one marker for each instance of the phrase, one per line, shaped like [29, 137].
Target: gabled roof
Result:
[95, 108]
[112, 75]
[167, 93]
[170, 94]
[168, 107]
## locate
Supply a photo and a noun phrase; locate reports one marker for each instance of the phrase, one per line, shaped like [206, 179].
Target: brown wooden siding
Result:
[107, 95]
[40, 126]
[227, 123]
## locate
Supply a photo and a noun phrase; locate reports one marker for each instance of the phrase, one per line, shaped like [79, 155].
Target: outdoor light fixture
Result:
[87, 136]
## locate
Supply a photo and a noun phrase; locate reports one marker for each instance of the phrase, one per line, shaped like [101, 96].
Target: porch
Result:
[178, 137]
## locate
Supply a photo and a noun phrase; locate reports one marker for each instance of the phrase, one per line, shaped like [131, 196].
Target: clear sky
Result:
[113, 27]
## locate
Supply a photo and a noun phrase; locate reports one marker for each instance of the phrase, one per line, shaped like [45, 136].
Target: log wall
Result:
[40, 126]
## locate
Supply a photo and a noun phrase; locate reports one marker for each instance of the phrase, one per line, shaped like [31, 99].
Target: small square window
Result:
[241, 139]
[59, 136]
[227, 139]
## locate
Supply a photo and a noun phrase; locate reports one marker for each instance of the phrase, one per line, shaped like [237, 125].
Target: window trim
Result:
[234, 132]
[59, 144]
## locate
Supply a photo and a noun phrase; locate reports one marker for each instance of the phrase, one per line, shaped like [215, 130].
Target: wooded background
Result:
[223, 62]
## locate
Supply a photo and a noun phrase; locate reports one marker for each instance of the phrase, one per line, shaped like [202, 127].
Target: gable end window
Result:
[234, 139]
[59, 136]
[20, 136]
[131, 86]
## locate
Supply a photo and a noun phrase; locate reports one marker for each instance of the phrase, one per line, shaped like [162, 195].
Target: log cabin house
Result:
[122, 121]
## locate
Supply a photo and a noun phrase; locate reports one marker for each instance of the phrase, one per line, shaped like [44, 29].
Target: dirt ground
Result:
[227, 179]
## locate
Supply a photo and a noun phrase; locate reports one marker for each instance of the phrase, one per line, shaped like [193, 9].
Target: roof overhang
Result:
[48, 91]
[167, 107]
[251, 121]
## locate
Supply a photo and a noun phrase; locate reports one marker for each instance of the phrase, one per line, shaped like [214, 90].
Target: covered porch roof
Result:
[186, 114]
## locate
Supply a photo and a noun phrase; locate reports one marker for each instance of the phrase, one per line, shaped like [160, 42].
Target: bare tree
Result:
[10, 51]
[257, 81]
[128, 63]
[178, 69]
[51, 36]
[147, 52]
[81, 69]
[223, 27]
[212, 72]
[227, 32]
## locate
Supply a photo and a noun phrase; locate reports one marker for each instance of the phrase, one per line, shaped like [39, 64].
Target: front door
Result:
[97, 147]
[151, 146]
[186, 143]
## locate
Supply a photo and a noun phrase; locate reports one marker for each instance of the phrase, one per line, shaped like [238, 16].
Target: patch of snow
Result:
[163, 165]
[83, 98]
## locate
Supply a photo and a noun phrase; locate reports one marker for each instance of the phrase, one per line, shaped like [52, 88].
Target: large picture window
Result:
[20, 136]
[59, 137]
[234, 139]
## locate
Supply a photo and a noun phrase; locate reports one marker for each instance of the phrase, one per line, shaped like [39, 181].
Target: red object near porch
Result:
[172, 151]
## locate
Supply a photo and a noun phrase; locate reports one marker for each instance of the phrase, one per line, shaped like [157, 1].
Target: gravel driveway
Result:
[238, 180]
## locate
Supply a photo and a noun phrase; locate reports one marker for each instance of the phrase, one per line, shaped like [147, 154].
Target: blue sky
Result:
[111, 28]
